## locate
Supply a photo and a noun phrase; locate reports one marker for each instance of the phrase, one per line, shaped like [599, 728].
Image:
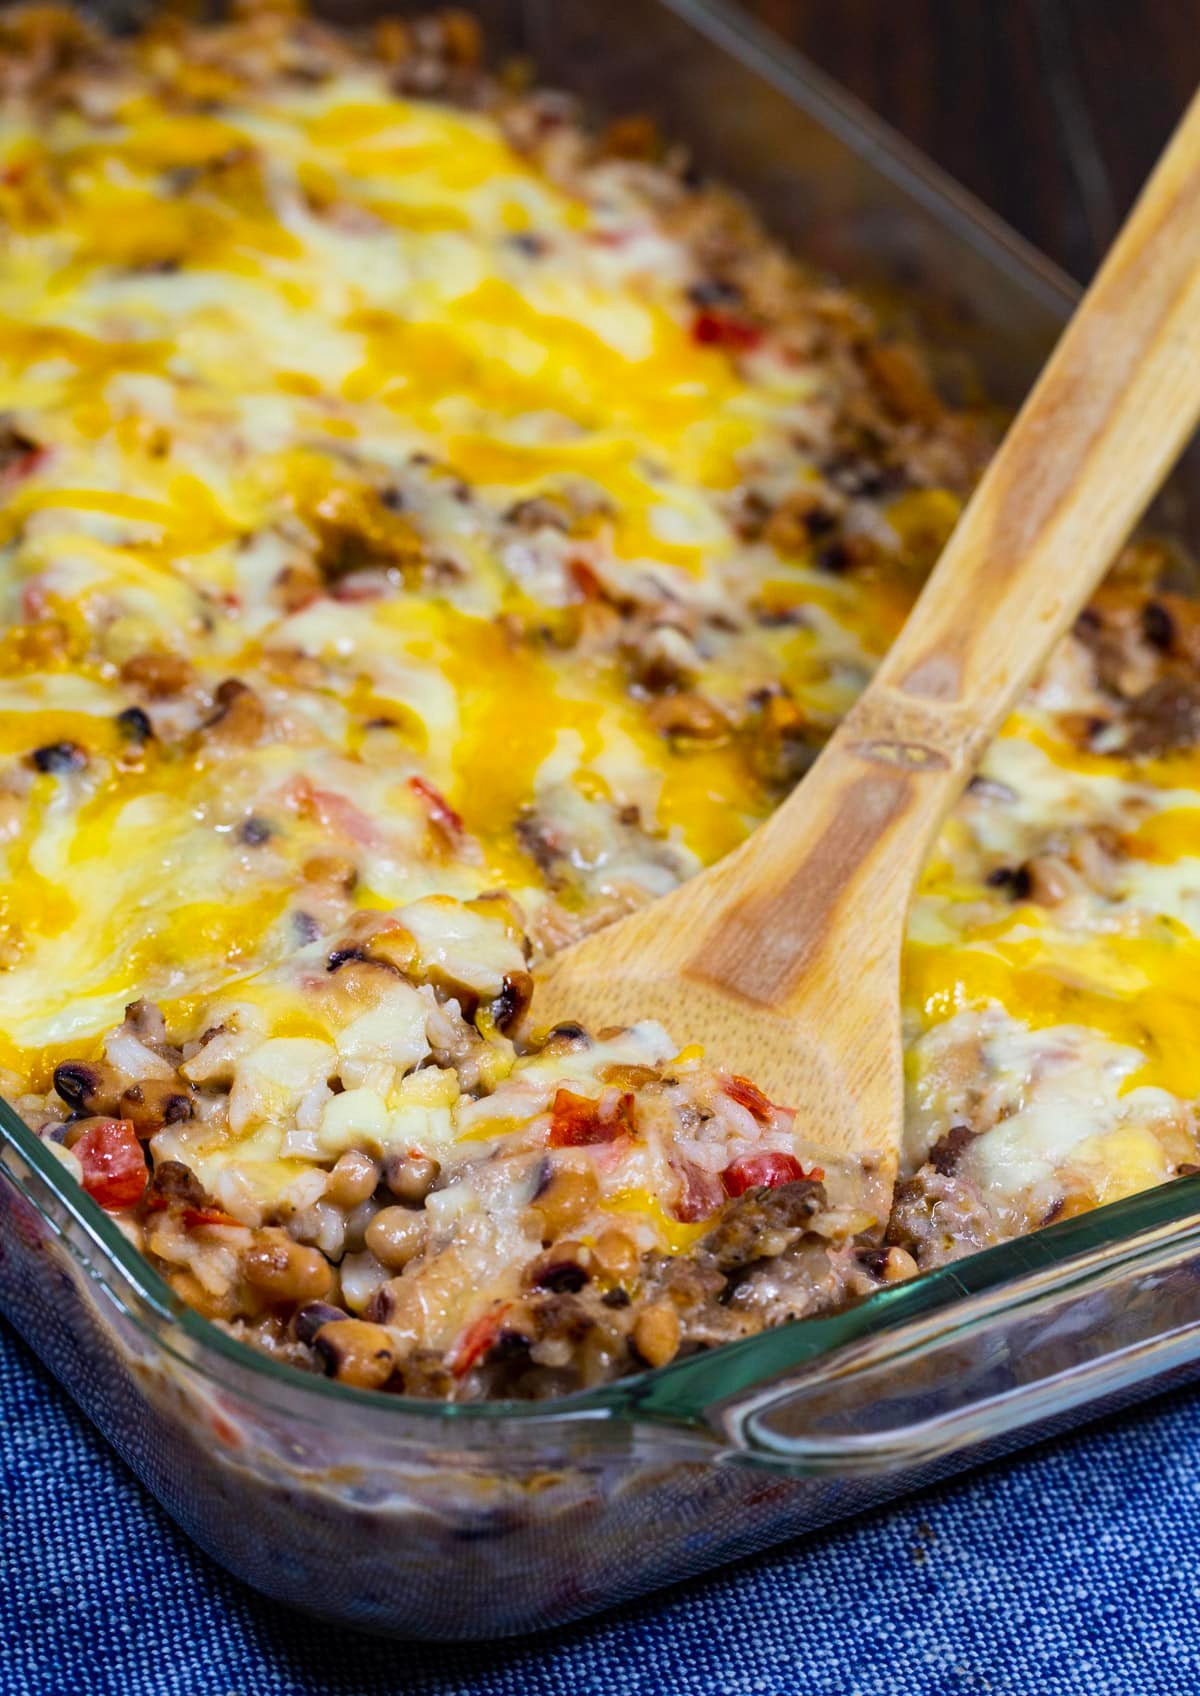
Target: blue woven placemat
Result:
[1073, 1569]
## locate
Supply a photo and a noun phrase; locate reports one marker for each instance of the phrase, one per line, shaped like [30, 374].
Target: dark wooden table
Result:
[1051, 111]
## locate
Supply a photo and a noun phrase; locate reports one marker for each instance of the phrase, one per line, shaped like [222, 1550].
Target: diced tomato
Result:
[441, 814]
[749, 1096]
[764, 1171]
[575, 1122]
[718, 329]
[114, 1167]
[477, 1339]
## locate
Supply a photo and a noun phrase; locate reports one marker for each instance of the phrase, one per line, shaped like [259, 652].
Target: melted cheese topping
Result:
[335, 393]
[225, 333]
[1075, 1013]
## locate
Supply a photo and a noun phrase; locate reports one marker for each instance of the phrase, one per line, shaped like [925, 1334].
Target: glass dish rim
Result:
[681, 1393]
[773, 58]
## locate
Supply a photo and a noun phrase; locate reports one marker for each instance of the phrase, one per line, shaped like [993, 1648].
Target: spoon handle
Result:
[1092, 444]
[813, 905]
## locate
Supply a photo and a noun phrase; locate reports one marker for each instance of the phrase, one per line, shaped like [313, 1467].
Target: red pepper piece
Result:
[764, 1171]
[225, 1431]
[626, 1114]
[334, 812]
[114, 1167]
[718, 329]
[26, 1223]
[362, 590]
[441, 814]
[478, 1338]
[585, 580]
[749, 1096]
[575, 1122]
[195, 1216]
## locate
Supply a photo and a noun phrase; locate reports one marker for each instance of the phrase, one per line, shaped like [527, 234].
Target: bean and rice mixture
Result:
[430, 528]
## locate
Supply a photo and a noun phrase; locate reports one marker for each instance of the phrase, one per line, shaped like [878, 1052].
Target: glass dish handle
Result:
[967, 1355]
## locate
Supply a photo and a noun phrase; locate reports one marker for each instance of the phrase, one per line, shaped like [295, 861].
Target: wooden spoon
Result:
[784, 958]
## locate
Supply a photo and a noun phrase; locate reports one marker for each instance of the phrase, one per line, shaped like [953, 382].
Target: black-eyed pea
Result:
[566, 1038]
[689, 717]
[515, 995]
[89, 1086]
[353, 1179]
[239, 716]
[568, 1195]
[333, 870]
[1051, 880]
[395, 946]
[656, 1333]
[396, 1235]
[285, 1270]
[410, 1177]
[308, 1320]
[565, 1267]
[159, 674]
[154, 1102]
[385, 1302]
[616, 1254]
[898, 1264]
[354, 1351]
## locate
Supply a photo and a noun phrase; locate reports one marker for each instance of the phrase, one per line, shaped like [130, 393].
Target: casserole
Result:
[568, 1491]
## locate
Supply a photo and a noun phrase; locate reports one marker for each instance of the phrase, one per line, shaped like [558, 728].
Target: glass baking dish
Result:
[420, 1519]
